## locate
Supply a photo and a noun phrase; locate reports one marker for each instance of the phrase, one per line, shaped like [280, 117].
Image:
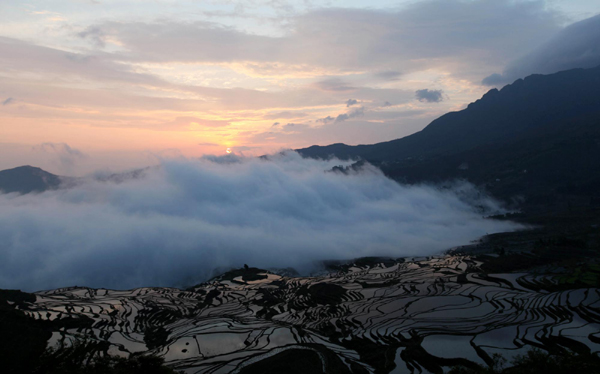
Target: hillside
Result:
[539, 136]
[372, 315]
[26, 179]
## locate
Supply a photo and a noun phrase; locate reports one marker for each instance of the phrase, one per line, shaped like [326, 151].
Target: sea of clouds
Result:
[186, 218]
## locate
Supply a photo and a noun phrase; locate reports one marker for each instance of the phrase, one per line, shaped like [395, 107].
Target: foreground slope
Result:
[414, 315]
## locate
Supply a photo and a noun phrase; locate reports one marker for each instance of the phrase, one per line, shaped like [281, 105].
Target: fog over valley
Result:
[180, 222]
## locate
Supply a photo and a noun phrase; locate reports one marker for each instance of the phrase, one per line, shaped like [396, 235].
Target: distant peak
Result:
[492, 92]
[27, 170]
[27, 167]
[25, 179]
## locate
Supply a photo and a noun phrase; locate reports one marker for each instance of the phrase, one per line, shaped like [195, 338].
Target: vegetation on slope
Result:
[539, 362]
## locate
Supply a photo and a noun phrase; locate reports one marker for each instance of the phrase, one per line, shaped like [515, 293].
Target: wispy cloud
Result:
[90, 77]
[64, 155]
[389, 75]
[333, 84]
[577, 46]
[356, 112]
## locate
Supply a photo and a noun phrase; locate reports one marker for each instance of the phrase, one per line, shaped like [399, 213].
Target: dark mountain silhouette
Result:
[124, 176]
[538, 137]
[529, 107]
[26, 179]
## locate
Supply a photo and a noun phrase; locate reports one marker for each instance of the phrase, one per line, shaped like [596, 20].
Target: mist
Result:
[183, 220]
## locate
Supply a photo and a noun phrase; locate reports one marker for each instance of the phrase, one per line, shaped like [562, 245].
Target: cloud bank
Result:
[388, 40]
[576, 46]
[181, 221]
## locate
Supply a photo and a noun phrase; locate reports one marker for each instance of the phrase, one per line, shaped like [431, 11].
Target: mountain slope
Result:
[371, 315]
[538, 138]
[528, 107]
[26, 179]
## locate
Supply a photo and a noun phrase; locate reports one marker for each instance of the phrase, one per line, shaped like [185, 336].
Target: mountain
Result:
[537, 136]
[529, 107]
[26, 179]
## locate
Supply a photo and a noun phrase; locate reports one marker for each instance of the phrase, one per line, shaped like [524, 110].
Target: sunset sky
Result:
[97, 84]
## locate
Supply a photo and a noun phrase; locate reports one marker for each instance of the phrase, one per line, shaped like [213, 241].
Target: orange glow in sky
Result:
[117, 78]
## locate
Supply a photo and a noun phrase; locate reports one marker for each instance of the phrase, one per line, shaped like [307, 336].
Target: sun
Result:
[228, 150]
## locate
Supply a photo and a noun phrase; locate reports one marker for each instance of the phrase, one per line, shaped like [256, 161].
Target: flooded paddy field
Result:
[400, 316]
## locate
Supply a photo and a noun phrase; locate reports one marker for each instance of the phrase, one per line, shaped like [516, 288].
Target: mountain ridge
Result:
[581, 83]
[31, 179]
[26, 179]
[537, 138]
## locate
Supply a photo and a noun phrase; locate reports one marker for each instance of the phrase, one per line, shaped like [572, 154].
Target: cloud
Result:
[576, 46]
[285, 114]
[351, 102]
[333, 84]
[192, 123]
[395, 114]
[430, 96]
[57, 63]
[135, 82]
[144, 74]
[95, 34]
[8, 101]
[325, 120]
[389, 75]
[293, 127]
[243, 148]
[138, 91]
[275, 124]
[414, 37]
[357, 112]
[187, 218]
[495, 80]
[66, 156]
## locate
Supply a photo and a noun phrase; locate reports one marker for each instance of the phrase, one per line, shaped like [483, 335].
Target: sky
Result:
[103, 84]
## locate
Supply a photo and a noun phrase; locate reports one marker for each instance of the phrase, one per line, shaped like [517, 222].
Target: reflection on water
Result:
[430, 312]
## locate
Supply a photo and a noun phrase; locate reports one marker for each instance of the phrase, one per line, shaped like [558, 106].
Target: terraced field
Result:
[413, 315]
